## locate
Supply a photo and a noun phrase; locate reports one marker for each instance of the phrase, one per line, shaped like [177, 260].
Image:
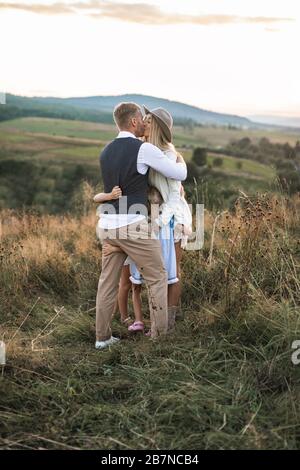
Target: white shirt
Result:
[148, 156]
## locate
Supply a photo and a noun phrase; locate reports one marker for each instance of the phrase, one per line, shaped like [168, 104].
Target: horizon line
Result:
[245, 114]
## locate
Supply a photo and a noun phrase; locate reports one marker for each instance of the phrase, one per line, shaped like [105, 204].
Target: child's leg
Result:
[137, 302]
[124, 288]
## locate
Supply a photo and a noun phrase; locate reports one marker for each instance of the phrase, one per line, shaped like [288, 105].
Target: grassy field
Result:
[230, 165]
[223, 380]
[248, 168]
[219, 137]
[60, 127]
[54, 151]
[206, 136]
[49, 139]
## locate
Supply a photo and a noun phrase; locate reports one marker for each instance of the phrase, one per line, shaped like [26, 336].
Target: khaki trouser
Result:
[135, 241]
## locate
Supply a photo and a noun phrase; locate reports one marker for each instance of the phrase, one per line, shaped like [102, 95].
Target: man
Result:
[125, 163]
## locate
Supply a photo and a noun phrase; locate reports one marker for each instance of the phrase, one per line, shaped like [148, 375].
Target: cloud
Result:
[272, 30]
[142, 13]
[53, 9]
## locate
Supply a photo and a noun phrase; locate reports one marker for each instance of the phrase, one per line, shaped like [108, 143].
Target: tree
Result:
[290, 181]
[244, 142]
[218, 161]
[264, 142]
[199, 156]
[192, 172]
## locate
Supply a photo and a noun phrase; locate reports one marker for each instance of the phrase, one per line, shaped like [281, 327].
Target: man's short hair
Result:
[123, 112]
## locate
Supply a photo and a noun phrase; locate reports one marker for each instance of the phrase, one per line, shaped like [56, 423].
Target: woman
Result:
[174, 204]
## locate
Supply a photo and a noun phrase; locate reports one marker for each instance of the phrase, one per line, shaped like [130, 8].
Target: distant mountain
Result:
[20, 106]
[99, 108]
[178, 110]
[277, 120]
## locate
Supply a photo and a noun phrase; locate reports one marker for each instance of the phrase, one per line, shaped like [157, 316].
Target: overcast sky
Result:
[236, 56]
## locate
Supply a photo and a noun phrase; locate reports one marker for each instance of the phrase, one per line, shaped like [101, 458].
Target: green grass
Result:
[223, 380]
[207, 390]
[61, 127]
[42, 142]
[7, 136]
[206, 136]
[229, 166]
[249, 167]
[220, 137]
[79, 152]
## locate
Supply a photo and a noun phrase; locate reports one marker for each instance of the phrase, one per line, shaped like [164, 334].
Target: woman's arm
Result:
[116, 193]
[153, 157]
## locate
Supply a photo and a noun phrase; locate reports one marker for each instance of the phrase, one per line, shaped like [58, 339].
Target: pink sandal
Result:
[136, 326]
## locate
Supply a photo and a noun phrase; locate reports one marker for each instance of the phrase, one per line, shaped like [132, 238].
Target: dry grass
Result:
[224, 380]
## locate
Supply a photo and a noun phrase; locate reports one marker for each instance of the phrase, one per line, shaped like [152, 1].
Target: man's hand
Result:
[116, 192]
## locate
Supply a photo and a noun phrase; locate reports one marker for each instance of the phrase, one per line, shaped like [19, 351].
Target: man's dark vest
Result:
[118, 162]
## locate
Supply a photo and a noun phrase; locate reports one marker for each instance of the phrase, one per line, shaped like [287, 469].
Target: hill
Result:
[177, 109]
[277, 120]
[99, 109]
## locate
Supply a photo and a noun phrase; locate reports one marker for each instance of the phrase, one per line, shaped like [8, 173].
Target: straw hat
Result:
[164, 120]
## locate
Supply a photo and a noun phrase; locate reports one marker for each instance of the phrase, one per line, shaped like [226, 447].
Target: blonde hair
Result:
[157, 136]
[123, 112]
